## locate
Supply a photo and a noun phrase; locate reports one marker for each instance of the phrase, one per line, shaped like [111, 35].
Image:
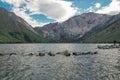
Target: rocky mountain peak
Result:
[74, 27]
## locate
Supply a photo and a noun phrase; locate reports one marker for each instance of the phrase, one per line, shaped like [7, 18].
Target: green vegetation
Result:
[108, 34]
[13, 29]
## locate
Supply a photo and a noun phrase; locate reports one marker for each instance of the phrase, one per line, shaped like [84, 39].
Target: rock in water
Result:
[76, 53]
[41, 54]
[67, 53]
[31, 54]
[51, 54]
[12, 54]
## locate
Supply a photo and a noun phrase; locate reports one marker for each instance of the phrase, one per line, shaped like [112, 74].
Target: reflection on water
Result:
[103, 66]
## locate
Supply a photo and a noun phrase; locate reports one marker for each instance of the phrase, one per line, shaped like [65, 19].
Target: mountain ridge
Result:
[87, 27]
[73, 28]
[108, 33]
[15, 29]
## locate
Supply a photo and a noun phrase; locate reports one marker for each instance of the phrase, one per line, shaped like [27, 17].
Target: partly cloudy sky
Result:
[40, 12]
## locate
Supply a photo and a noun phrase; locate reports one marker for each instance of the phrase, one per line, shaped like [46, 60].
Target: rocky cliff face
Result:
[74, 27]
[108, 32]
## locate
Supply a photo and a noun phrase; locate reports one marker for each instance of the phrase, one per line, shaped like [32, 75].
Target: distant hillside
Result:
[88, 27]
[14, 29]
[107, 33]
[74, 28]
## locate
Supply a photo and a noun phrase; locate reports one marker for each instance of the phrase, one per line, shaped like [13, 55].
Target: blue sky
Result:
[41, 12]
[84, 4]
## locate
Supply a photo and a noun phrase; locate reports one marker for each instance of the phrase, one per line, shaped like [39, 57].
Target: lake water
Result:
[103, 66]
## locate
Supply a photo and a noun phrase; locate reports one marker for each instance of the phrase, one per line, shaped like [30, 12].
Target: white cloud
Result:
[90, 9]
[21, 12]
[112, 9]
[93, 8]
[15, 3]
[58, 10]
[97, 5]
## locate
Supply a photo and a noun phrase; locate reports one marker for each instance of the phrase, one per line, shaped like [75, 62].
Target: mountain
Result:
[14, 29]
[88, 27]
[108, 33]
[74, 28]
